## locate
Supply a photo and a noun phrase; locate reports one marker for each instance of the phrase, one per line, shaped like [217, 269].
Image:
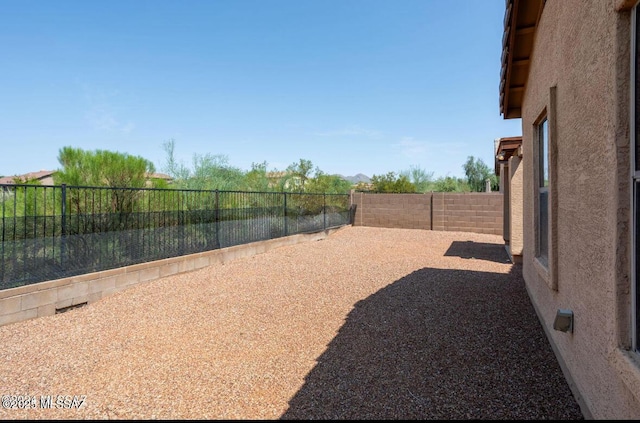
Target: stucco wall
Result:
[582, 49]
[464, 212]
[516, 204]
[505, 189]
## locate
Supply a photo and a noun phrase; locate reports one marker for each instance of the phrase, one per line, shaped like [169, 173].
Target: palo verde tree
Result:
[420, 178]
[392, 183]
[450, 184]
[101, 168]
[124, 173]
[208, 172]
[212, 171]
[177, 171]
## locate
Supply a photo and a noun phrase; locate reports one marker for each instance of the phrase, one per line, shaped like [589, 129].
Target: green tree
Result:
[419, 177]
[27, 200]
[363, 186]
[328, 184]
[297, 175]
[208, 171]
[177, 171]
[102, 168]
[256, 179]
[450, 184]
[212, 171]
[392, 183]
[477, 173]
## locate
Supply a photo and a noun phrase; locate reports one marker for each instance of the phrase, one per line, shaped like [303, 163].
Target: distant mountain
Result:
[357, 178]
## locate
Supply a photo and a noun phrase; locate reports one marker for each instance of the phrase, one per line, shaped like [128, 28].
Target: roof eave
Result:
[520, 24]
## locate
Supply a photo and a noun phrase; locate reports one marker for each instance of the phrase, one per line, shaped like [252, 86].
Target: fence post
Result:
[286, 226]
[63, 209]
[324, 211]
[181, 244]
[217, 217]
[63, 229]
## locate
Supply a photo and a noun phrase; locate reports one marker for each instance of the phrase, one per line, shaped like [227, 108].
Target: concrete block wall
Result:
[410, 211]
[466, 212]
[478, 212]
[47, 298]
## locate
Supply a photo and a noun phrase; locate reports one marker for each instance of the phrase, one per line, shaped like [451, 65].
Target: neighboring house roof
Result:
[160, 176]
[42, 174]
[277, 174]
[520, 21]
[505, 148]
[364, 186]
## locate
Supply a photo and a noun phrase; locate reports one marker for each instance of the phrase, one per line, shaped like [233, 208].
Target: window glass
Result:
[543, 193]
[544, 154]
[544, 227]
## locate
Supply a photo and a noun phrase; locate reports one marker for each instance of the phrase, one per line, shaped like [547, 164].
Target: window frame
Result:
[542, 146]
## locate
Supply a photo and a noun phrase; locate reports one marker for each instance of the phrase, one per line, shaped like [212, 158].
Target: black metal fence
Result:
[51, 232]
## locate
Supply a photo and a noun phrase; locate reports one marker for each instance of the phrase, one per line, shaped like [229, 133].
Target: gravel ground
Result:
[370, 323]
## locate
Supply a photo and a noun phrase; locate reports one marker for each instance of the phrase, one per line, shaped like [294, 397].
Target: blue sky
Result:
[355, 86]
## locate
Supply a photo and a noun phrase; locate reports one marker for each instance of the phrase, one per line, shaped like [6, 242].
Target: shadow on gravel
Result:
[478, 250]
[439, 344]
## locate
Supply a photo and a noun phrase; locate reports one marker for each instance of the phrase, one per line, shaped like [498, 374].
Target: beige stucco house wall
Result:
[572, 66]
[509, 168]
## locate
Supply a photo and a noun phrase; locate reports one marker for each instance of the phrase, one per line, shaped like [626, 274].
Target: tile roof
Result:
[10, 180]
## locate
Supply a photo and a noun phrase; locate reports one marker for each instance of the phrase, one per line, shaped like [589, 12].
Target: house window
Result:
[543, 192]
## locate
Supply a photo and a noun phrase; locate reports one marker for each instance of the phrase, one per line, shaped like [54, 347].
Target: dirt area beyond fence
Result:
[369, 323]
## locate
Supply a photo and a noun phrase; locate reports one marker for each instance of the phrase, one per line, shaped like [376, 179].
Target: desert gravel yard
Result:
[369, 323]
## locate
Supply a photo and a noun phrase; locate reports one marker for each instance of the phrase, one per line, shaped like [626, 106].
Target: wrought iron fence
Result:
[50, 232]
